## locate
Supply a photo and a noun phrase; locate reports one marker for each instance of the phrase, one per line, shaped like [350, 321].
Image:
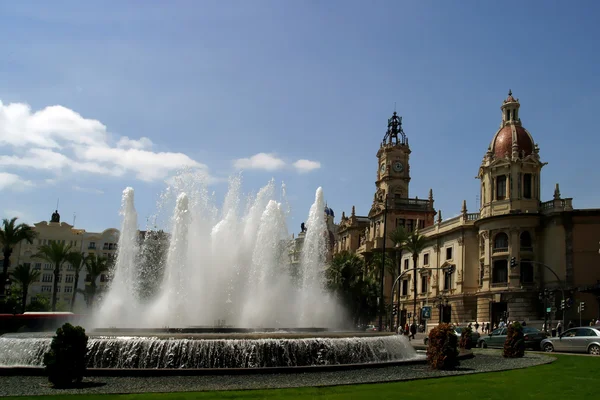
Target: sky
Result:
[97, 96]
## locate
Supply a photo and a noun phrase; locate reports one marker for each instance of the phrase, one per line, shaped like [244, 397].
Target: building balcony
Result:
[500, 250]
[556, 205]
[412, 204]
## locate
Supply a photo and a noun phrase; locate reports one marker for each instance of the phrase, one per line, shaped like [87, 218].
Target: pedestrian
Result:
[487, 327]
[406, 330]
[571, 324]
[598, 322]
[559, 328]
[413, 330]
[476, 326]
[524, 323]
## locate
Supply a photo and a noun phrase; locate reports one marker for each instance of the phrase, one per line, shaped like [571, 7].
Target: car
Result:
[576, 340]
[458, 332]
[533, 338]
[371, 328]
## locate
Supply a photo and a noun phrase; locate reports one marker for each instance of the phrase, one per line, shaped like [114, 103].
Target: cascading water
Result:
[230, 270]
[156, 352]
[122, 298]
[313, 263]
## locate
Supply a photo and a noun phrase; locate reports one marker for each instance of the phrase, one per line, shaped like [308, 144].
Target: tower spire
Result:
[395, 134]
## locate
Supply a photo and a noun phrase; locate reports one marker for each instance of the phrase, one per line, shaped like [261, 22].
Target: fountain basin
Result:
[207, 352]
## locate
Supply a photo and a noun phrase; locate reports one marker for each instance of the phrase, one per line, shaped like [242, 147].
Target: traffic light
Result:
[395, 310]
[563, 305]
[513, 262]
[409, 316]
[581, 306]
[450, 269]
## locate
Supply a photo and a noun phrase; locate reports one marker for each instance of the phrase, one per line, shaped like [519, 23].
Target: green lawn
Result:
[570, 377]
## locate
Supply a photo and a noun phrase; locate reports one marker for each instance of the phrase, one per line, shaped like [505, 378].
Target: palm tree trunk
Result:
[24, 299]
[75, 290]
[415, 260]
[5, 265]
[54, 292]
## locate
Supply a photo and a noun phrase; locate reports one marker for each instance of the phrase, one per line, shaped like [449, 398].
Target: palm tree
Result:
[95, 266]
[398, 237]
[345, 276]
[25, 276]
[56, 253]
[12, 234]
[77, 260]
[414, 244]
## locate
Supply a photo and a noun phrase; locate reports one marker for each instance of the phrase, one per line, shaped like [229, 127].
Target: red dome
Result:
[503, 141]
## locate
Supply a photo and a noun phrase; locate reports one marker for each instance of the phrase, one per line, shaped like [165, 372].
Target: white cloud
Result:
[268, 162]
[87, 190]
[140, 144]
[303, 166]
[57, 139]
[13, 182]
[23, 217]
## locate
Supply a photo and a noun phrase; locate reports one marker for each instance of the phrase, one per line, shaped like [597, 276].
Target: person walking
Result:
[476, 326]
[571, 324]
[559, 328]
[413, 330]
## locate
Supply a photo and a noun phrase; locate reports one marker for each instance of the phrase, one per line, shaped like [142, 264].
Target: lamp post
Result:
[545, 296]
[382, 269]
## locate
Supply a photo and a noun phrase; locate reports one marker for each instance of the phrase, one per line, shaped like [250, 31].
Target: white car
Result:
[576, 340]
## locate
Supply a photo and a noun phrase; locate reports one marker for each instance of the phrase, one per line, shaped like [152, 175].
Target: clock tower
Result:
[393, 173]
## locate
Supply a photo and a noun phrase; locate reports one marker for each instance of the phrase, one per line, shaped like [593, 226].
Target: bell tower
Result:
[393, 171]
[511, 168]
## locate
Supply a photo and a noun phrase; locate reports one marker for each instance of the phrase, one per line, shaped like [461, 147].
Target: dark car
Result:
[533, 337]
[458, 332]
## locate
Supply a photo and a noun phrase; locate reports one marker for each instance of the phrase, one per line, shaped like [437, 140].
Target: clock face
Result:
[398, 167]
[382, 169]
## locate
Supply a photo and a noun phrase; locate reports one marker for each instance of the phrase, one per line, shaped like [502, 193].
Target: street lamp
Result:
[382, 269]
[546, 296]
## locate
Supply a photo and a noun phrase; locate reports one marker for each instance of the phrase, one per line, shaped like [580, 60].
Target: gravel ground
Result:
[485, 361]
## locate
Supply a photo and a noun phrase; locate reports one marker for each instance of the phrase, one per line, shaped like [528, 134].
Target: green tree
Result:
[38, 303]
[415, 243]
[346, 277]
[12, 234]
[95, 266]
[25, 276]
[77, 260]
[56, 253]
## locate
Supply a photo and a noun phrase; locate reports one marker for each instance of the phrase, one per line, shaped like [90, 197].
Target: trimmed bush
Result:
[466, 341]
[514, 346]
[66, 361]
[442, 352]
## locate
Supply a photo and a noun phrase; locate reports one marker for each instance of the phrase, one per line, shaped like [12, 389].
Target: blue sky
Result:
[216, 81]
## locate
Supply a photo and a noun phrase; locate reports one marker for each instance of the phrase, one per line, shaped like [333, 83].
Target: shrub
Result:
[514, 346]
[442, 352]
[66, 361]
[466, 340]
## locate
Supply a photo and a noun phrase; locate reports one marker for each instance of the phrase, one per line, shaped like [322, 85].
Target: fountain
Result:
[226, 299]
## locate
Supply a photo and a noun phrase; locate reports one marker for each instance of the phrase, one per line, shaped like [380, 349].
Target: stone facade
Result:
[542, 238]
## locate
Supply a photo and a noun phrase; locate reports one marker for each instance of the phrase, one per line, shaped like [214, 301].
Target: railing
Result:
[472, 216]
[499, 250]
[418, 204]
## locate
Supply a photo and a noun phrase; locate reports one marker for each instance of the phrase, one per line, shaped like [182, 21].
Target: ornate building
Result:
[101, 243]
[542, 238]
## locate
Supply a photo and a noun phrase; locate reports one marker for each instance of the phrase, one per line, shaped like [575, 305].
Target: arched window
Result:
[501, 242]
[526, 243]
